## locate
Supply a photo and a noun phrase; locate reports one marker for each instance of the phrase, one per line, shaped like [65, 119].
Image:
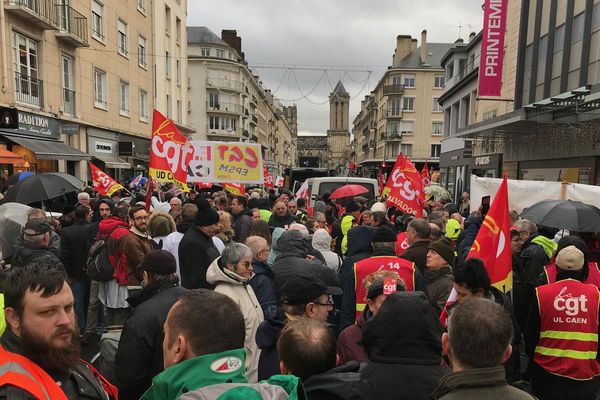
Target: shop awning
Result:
[113, 162]
[50, 149]
[8, 157]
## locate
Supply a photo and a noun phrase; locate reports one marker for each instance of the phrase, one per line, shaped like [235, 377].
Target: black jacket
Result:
[341, 383]
[417, 253]
[242, 223]
[140, 355]
[30, 254]
[267, 335]
[359, 248]
[282, 222]
[403, 342]
[74, 249]
[264, 288]
[196, 252]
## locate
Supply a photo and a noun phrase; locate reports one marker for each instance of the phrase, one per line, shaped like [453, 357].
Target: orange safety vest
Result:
[363, 268]
[592, 278]
[19, 371]
[568, 342]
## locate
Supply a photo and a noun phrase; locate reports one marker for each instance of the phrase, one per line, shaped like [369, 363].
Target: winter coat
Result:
[345, 225]
[237, 288]
[140, 355]
[359, 248]
[439, 284]
[28, 253]
[196, 252]
[467, 236]
[277, 232]
[242, 223]
[267, 335]
[348, 345]
[417, 253]
[282, 222]
[404, 363]
[321, 241]
[341, 383]
[477, 384]
[74, 250]
[117, 228]
[264, 288]
[135, 246]
[279, 387]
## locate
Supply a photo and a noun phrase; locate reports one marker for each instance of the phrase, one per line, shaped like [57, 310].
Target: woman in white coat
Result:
[230, 274]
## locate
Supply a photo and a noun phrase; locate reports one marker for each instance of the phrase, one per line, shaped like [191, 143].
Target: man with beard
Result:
[40, 348]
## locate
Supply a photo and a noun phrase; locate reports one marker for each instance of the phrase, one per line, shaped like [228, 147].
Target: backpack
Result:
[98, 266]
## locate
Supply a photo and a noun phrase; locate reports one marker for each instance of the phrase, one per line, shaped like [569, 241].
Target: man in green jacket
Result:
[204, 347]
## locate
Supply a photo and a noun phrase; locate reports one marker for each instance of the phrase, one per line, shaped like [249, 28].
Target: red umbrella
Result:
[348, 191]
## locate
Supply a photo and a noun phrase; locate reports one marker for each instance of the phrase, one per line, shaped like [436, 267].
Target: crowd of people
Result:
[214, 295]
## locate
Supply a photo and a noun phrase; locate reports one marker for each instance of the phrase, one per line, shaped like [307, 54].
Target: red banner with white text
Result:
[170, 152]
[103, 183]
[235, 188]
[405, 187]
[269, 184]
[492, 48]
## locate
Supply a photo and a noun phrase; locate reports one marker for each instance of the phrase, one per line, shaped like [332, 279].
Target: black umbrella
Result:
[42, 187]
[564, 214]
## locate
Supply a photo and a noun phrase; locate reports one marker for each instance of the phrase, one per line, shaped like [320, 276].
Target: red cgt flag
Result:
[236, 189]
[268, 179]
[103, 183]
[405, 187]
[425, 175]
[170, 152]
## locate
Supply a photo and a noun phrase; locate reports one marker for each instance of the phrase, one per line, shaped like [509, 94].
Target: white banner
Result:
[226, 162]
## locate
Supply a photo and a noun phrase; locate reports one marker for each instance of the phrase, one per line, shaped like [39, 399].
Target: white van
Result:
[319, 186]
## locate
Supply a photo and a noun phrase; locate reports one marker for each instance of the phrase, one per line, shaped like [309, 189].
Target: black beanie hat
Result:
[352, 206]
[384, 234]
[206, 215]
[159, 262]
[444, 249]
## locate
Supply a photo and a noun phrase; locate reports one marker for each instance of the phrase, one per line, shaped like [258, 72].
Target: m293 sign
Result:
[226, 162]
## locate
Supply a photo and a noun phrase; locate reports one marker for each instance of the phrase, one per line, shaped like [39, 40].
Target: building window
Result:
[205, 52]
[439, 81]
[169, 107]
[68, 84]
[396, 80]
[407, 127]
[393, 129]
[97, 20]
[213, 122]
[408, 104]
[122, 37]
[141, 5]
[167, 20]
[123, 98]
[142, 61]
[213, 100]
[406, 149]
[178, 71]
[143, 105]
[220, 53]
[28, 88]
[436, 106]
[489, 115]
[437, 128]
[409, 80]
[100, 89]
[436, 149]
[177, 30]
[167, 65]
[395, 109]
[179, 113]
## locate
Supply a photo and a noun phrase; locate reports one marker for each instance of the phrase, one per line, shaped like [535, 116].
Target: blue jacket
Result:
[264, 288]
[467, 237]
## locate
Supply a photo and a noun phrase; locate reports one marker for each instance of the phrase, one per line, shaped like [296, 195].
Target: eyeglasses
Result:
[328, 304]
[144, 218]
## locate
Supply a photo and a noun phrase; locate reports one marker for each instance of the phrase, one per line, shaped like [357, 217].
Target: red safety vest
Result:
[592, 278]
[18, 371]
[568, 329]
[363, 268]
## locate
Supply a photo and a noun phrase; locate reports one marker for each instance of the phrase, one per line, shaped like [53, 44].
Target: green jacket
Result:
[548, 245]
[198, 372]
[277, 387]
[346, 225]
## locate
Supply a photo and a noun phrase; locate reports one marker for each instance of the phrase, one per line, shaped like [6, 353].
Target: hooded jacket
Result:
[116, 253]
[237, 288]
[403, 342]
[439, 284]
[349, 347]
[29, 253]
[264, 288]
[341, 383]
[277, 232]
[321, 241]
[196, 252]
[345, 225]
[359, 248]
[242, 223]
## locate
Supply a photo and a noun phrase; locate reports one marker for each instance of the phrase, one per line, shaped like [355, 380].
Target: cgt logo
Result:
[571, 305]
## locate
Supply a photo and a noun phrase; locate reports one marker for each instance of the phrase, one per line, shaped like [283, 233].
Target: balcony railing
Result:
[461, 74]
[393, 113]
[390, 136]
[393, 89]
[246, 133]
[230, 108]
[254, 119]
[41, 13]
[254, 138]
[73, 26]
[28, 90]
[226, 84]
[224, 131]
[68, 101]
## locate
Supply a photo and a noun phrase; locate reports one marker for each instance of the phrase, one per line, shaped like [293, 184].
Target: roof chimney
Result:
[404, 46]
[423, 51]
[472, 36]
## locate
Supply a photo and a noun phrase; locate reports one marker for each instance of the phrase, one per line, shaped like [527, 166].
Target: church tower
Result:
[338, 134]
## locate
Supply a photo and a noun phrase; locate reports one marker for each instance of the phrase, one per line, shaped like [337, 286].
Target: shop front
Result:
[103, 147]
[135, 150]
[455, 166]
[573, 170]
[35, 146]
[488, 166]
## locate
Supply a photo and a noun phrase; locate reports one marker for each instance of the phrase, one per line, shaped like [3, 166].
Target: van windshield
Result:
[329, 187]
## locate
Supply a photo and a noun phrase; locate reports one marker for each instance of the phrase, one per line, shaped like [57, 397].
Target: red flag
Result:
[234, 188]
[103, 183]
[170, 152]
[381, 180]
[492, 246]
[149, 190]
[204, 185]
[405, 188]
[425, 175]
[268, 179]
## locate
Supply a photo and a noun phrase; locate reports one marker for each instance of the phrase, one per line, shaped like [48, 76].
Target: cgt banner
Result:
[404, 188]
[170, 152]
[492, 48]
[103, 183]
[226, 162]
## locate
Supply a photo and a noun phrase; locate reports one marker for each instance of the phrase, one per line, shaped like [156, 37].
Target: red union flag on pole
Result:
[170, 152]
[425, 176]
[492, 48]
[405, 187]
[268, 179]
[236, 189]
[103, 183]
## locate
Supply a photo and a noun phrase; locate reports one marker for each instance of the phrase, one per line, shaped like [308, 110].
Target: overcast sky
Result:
[300, 49]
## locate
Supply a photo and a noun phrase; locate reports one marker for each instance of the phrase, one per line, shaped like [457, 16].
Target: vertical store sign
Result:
[492, 48]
